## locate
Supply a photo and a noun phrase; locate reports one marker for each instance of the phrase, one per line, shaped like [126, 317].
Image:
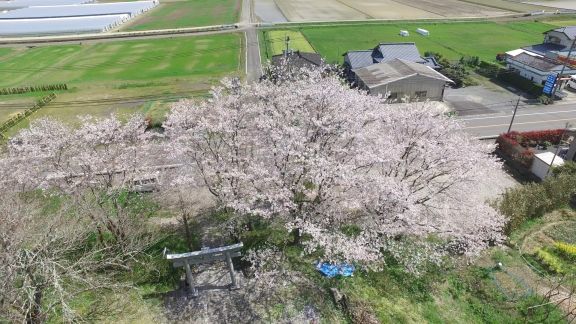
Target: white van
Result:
[572, 82]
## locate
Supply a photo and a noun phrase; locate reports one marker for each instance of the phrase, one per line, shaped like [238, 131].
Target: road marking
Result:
[532, 114]
[533, 122]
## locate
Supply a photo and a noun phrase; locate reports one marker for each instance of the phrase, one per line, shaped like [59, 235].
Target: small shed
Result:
[404, 33]
[423, 32]
[542, 162]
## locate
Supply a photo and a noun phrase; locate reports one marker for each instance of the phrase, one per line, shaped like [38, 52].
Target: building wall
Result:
[410, 86]
[537, 76]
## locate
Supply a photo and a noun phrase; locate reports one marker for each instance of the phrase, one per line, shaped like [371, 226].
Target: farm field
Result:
[274, 42]
[453, 40]
[564, 4]
[332, 10]
[186, 13]
[123, 77]
[510, 5]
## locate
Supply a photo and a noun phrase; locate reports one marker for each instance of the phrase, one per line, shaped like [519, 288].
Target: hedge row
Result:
[19, 117]
[533, 138]
[20, 90]
[514, 151]
[495, 71]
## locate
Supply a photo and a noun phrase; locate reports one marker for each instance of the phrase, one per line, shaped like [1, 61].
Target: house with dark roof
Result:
[298, 59]
[385, 52]
[400, 79]
[537, 62]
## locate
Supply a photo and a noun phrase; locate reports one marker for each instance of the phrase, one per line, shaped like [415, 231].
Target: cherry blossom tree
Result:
[321, 158]
[97, 164]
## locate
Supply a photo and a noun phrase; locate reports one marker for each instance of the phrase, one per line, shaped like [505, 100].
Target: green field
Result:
[453, 40]
[187, 13]
[119, 76]
[275, 42]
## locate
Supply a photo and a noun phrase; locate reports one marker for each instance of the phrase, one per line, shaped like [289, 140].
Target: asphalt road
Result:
[253, 61]
[527, 118]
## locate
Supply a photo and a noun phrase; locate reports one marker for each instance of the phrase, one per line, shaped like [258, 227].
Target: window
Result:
[421, 94]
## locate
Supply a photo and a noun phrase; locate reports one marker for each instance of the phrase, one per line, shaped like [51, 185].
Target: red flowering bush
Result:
[533, 138]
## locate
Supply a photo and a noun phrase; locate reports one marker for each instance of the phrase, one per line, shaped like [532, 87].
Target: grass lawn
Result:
[274, 42]
[123, 77]
[453, 40]
[187, 13]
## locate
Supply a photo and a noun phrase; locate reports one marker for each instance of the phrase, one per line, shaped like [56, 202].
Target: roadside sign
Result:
[549, 85]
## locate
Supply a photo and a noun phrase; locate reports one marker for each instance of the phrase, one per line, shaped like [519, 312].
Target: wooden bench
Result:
[224, 253]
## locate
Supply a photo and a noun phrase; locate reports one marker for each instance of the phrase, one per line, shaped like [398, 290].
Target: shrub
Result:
[568, 251]
[551, 261]
[533, 200]
[511, 148]
[544, 99]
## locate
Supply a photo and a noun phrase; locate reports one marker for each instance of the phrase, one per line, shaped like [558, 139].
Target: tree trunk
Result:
[296, 237]
[187, 232]
[35, 314]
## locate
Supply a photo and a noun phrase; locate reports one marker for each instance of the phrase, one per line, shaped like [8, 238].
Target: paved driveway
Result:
[479, 100]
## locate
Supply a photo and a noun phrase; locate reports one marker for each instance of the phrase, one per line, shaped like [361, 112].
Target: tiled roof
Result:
[535, 62]
[569, 31]
[360, 59]
[391, 51]
[394, 70]
[386, 52]
[543, 49]
[300, 59]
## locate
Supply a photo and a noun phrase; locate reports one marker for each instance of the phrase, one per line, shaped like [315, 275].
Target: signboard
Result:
[550, 82]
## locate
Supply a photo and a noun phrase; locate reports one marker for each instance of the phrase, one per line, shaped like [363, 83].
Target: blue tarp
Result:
[333, 270]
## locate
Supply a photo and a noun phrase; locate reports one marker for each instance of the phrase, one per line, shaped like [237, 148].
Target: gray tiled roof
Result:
[406, 51]
[544, 48]
[300, 59]
[359, 59]
[385, 52]
[394, 70]
[535, 62]
[570, 31]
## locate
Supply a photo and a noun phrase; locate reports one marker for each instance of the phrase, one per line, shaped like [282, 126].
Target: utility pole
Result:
[287, 40]
[514, 114]
[563, 68]
[557, 149]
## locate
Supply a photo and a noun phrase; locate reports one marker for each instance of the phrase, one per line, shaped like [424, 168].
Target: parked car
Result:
[572, 82]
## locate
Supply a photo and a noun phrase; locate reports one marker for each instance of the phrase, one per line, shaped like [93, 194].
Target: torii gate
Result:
[224, 253]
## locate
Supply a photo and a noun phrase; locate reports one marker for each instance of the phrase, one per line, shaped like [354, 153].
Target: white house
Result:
[537, 62]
